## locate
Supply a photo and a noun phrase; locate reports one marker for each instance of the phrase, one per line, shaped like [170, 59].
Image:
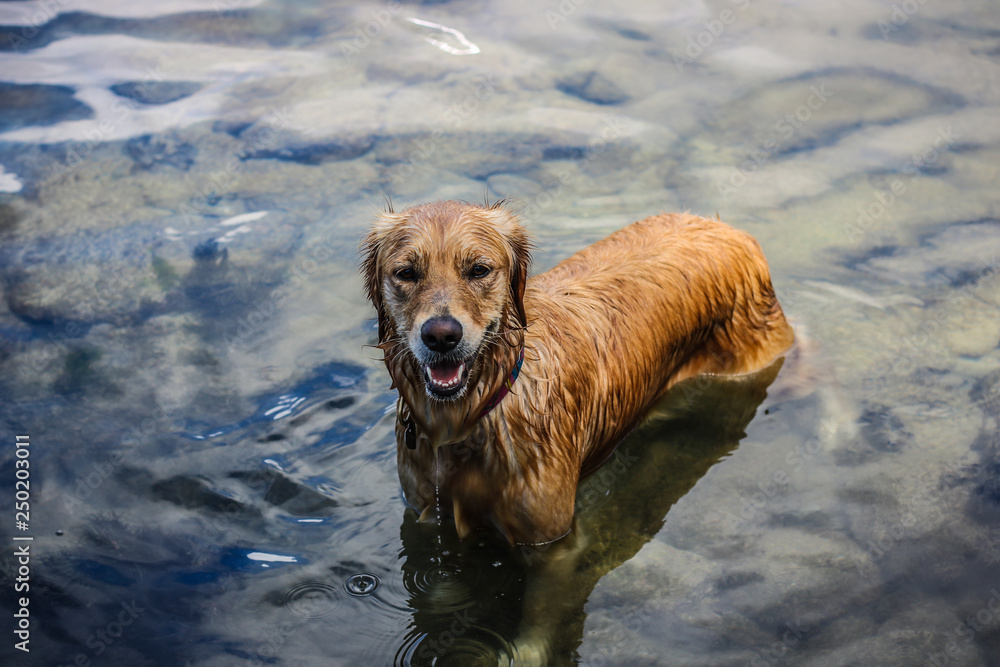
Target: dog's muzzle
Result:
[446, 375]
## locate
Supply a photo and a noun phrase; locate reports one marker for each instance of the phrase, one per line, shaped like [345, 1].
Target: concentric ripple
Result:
[446, 583]
[455, 642]
[311, 599]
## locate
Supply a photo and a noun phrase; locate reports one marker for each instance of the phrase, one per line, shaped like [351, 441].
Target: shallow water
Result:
[182, 331]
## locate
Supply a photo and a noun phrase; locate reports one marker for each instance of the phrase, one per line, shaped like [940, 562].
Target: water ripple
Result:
[311, 599]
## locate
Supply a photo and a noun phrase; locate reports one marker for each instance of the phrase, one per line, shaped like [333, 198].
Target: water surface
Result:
[182, 331]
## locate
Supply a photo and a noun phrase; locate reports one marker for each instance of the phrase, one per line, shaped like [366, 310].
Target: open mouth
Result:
[446, 378]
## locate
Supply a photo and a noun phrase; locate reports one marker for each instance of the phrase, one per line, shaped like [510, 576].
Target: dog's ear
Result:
[372, 277]
[520, 248]
[371, 268]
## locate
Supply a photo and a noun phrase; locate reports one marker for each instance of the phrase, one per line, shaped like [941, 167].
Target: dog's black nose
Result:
[441, 334]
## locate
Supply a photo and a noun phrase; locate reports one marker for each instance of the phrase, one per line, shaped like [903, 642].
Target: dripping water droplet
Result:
[361, 584]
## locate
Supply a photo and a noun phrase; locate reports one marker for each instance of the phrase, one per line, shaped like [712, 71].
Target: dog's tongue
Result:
[445, 373]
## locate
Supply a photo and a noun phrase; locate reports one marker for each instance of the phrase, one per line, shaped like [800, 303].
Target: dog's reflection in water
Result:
[482, 602]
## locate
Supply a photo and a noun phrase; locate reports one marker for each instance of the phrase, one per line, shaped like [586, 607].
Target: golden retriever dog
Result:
[510, 388]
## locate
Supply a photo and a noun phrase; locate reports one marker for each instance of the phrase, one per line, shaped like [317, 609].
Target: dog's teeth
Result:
[450, 383]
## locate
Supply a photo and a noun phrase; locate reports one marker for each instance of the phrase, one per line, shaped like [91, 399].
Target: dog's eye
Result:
[406, 275]
[480, 271]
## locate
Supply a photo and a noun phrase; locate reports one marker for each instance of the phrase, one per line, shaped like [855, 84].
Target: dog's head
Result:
[447, 280]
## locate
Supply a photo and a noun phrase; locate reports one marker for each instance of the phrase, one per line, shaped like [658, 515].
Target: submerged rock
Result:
[158, 92]
[22, 105]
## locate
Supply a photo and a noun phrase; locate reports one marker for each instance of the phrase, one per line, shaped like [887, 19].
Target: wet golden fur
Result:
[606, 333]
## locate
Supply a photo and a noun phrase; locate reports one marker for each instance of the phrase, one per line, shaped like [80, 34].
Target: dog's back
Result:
[664, 299]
